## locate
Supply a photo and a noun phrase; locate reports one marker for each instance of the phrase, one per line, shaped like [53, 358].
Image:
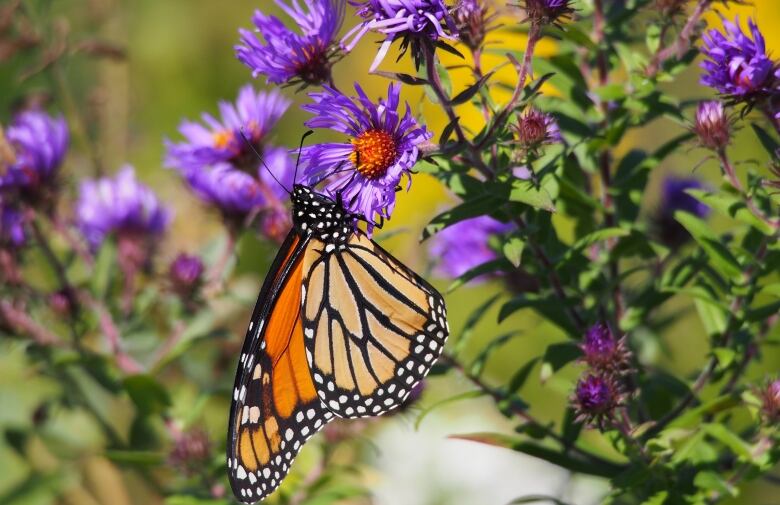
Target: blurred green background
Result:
[179, 63]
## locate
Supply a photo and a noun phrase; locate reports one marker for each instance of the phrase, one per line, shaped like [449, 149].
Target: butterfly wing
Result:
[275, 407]
[373, 328]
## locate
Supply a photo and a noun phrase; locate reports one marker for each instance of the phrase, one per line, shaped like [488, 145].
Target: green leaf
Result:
[149, 396]
[404, 78]
[471, 323]
[468, 395]
[526, 192]
[713, 318]
[657, 499]
[712, 482]
[728, 438]
[513, 250]
[722, 259]
[103, 269]
[478, 365]
[138, 458]
[571, 461]
[468, 93]
[478, 206]
[488, 267]
[521, 376]
[550, 307]
[611, 92]
[733, 206]
[537, 498]
[556, 356]
[193, 500]
[769, 143]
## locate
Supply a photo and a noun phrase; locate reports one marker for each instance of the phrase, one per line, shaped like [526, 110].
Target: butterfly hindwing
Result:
[275, 407]
[373, 328]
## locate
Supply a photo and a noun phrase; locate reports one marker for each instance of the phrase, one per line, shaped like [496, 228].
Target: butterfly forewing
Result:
[275, 407]
[372, 327]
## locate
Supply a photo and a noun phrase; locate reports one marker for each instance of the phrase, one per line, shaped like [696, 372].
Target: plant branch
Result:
[733, 179]
[683, 42]
[20, 321]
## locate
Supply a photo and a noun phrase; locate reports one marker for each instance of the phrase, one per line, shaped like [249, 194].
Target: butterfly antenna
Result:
[260, 157]
[300, 149]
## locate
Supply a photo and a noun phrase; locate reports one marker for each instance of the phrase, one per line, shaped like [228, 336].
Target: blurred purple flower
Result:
[595, 398]
[119, 205]
[535, 128]
[383, 146]
[465, 245]
[219, 165]
[674, 197]
[186, 274]
[712, 126]
[412, 20]
[737, 65]
[11, 226]
[40, 142]
[287, 56]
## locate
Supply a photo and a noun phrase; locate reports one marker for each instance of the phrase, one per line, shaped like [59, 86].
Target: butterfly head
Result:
[322, 217]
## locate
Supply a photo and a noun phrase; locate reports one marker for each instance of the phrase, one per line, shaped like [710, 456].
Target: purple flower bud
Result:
[771, 401]
[737, 63]
[275, 223]
[289, 56]
[595, 398]
[191, 451]
[544, 12]
[39, 142]
[535, 128]
[186, 274]
[472, 20]
[61, 303]
[712, 125]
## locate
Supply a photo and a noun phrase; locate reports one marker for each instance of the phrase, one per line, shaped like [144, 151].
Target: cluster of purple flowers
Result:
[219, 157]
[601, 388]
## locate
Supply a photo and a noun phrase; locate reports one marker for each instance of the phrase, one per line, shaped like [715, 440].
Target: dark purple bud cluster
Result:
[770, 398]
[601, 388]
[186, 275]
[473, 22]
[713, 125]
[546, 12]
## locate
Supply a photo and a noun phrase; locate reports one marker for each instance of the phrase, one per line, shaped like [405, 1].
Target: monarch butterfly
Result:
[340, 329]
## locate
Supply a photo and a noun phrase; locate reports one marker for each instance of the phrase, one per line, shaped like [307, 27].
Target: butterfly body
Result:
[340, 329]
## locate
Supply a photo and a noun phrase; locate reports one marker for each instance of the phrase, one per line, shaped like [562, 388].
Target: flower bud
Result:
[472, 20]
[544, 12]
[191, 451]
[712, 126]
[770, 397]
[595, 398]
[186, 275]
[535, 128]
[602, 351]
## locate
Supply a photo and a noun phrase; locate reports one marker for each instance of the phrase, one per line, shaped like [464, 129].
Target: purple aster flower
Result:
[543, 12]
[712, 126]
[412, 20]
[534, 128]
[39, 142]
[287, 56]
[595, 398]
[465, 245]
[219, 165]
[737, 65]
[119, 205]
[364, 171]
[602, 351]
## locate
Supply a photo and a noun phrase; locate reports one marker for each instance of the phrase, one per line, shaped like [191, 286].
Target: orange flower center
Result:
[222, 138]
[372, 153]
